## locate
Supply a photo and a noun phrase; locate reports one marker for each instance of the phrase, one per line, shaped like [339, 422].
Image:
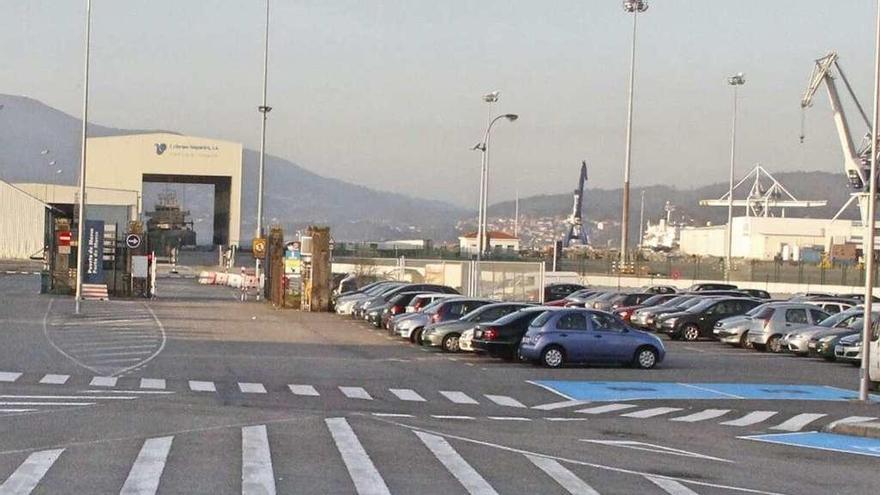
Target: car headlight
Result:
[827, 339]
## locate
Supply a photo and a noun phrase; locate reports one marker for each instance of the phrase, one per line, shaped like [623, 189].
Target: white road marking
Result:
[103, 381]
[86, 348]
[55, 379]
[143, 479]
[650, 447]
[16, 410]
[458, 397]
[63, 397]
[503, 400]
[200, 386]
[355, 393]
[407, 394]
[8, 376]
[392, 415]
[798, 422]
[606, 409]
[450, 416]
[566, 419]
[560, 405]
[100, 362]
[671, 487]
[303, 390]
[30, 472]
[54, 403]
[509, 418]
[153, 383]
[650, 413]
[563, 476]
[367, 480]
[702, 415]
[257, 476]
[99, 355]
[852, 419]
[252, 388]
[751, 418]
[469, 478]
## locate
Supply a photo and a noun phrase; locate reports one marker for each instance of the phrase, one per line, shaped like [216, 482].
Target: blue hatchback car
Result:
[588, 336]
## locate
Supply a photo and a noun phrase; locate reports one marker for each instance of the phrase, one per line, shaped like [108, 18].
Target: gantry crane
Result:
[576, 234]
[856, 161]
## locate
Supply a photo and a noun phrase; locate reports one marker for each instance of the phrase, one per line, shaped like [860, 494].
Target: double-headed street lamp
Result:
[736, 81]
[482, 230]
[634, 7]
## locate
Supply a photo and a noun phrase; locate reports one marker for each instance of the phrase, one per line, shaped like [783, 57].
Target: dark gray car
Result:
[446, 334]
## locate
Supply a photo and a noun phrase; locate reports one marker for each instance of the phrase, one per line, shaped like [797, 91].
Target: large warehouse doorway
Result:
[222, 197]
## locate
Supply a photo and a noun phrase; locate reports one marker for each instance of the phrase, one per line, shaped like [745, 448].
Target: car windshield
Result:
[676, 301]
[432, 308]
[474, 314]
[516, 315]
[835, 320]
[699, 305]
[541, 319]
[757, 309]
[655, 300]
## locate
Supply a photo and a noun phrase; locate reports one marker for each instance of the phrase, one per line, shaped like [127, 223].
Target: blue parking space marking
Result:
[824, 441]
[621, 391]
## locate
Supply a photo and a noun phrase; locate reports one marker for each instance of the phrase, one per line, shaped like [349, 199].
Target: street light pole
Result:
[80, 228]
[736, 81]
[263, 109]
[511, 117]
[864, 374]
[642, 219]
[635, 7]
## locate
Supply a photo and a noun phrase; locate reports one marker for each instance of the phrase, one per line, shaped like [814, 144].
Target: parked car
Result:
[772, 323]
[579, 300]
[399, 304]
[446, 334]
[832, 306]
[806, 340]
[822, 345]
[345, 304]
[371, 310]
[645, 317]
[710, 286]
[734, 330]
[660, 289]
[406, 325]
[443, 310]
[625, 313]
[577, 335]
[699, 320]
[631, 299]
[501, 338]
[555, 292]
[685, 306]
[849, 349]
[858, 297]
[756, 293]
[419, 302]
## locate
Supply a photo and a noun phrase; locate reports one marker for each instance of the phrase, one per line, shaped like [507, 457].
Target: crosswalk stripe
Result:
[563, 476]
[355, 393]
[16, 410]
[650, 413]
[853, 419]
[303, 390]
[30, 472]
[671, 487]
[560, 405]
[153, 383]
[798, 422]
[103, 381]
[751, 418]
[257, 476]
[503, 400]
[200, 386]
[469, 478]
[51, 379]
[143, 479]
[252, 388]
[458, 397]
[606, 409]
[9, 376]
[407, 394]
[702, 415]
[367, 480]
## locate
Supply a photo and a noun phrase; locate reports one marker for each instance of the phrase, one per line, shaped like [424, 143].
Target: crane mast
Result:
[856, 161]
[576, 234]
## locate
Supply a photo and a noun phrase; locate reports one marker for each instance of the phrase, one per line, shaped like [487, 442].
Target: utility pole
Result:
[864, 377]
[516, 215]
[642, 219]
[263, 109]
[634, 7]
[80, 228]
[736, 81]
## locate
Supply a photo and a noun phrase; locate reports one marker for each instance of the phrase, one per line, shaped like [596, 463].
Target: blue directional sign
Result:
[618, 391]
[824, 441]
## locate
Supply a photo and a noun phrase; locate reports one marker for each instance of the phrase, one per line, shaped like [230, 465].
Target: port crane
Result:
[856, 161]
[576, 233]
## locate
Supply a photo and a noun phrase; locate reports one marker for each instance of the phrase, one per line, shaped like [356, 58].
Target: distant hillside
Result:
[295, 196]
[605, 204]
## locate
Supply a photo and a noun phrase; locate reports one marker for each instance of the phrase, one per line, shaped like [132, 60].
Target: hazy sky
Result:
[387, 93]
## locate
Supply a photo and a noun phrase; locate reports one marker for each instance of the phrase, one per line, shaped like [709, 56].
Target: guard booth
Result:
[298, 271]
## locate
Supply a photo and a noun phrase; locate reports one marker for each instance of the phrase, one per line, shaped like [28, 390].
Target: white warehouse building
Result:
[764, 238]
[22, 223]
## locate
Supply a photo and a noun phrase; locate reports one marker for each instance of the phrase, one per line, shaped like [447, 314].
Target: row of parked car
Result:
[553, 335]
[811, 324]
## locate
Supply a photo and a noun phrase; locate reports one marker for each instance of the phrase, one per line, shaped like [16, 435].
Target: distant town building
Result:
[498, 241]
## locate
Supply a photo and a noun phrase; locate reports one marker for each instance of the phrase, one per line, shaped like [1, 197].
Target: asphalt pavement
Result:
[197, 392]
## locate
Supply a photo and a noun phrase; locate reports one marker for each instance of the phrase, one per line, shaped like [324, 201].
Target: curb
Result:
[870, 429]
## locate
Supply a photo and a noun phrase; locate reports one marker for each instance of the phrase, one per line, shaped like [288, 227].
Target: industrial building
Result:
[498, 241]
[767, 238]
[23, 221]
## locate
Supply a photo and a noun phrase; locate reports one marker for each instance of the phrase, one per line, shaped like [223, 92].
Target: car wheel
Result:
[774, 345]
[450, 343]
[645, 358]
[415, 336]
[690, 332]
[553, 356]
[744, 341]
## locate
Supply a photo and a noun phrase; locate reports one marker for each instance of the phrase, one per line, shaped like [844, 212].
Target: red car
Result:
[626, 312]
